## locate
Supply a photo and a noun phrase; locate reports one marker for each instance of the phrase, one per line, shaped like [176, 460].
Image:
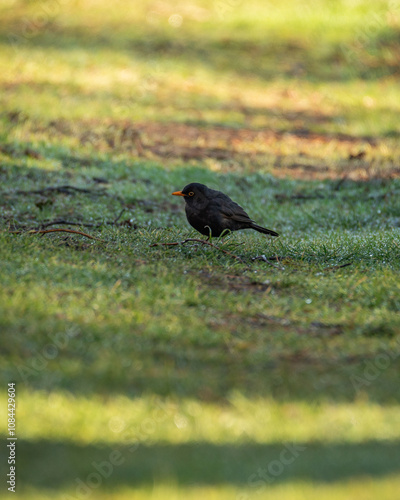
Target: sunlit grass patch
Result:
[149, 419]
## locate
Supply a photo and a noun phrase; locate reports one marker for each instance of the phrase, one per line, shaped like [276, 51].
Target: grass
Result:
[184, 372]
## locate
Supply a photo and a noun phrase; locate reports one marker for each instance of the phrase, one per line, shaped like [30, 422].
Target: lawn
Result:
[267, 370]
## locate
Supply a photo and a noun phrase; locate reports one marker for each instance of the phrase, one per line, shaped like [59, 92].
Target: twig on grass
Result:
[265, 259]
[83, 224]
[119, 216]
[68, 223]
[203, 242]
[335, 268]
[57, 230]
[62, 230]
[65, 189]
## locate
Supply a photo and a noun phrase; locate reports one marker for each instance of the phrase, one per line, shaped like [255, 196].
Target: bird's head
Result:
[193, 193]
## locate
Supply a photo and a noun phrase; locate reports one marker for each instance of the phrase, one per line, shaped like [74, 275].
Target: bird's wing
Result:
[232, 210]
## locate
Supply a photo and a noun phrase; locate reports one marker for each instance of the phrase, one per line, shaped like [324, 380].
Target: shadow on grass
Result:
[268, 59]
[166, 370]
[46, 464]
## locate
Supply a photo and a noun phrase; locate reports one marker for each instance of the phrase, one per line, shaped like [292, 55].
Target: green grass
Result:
[189, 369]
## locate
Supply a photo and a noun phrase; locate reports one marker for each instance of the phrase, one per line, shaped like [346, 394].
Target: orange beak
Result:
[178, 193]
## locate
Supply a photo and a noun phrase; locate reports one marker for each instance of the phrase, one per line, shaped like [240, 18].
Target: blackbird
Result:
[208, 210]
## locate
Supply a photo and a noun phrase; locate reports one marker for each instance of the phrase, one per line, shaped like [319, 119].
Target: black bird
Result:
[210, 211]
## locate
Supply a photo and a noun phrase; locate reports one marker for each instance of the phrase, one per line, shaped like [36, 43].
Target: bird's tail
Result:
[263, 230]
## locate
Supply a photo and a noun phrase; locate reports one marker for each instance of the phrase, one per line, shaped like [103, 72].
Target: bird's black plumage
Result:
[208, 210]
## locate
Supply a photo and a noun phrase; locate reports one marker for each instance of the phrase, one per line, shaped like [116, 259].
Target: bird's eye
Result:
[191, 193]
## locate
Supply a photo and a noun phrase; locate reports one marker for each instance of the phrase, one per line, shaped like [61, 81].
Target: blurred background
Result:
[312, 67]
[305, 92]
